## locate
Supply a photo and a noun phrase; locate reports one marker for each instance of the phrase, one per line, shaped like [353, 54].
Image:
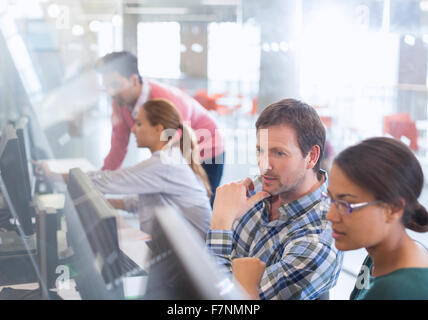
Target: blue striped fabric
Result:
[298, 249]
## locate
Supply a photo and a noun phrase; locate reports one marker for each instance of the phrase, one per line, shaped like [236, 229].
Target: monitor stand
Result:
[12, 241]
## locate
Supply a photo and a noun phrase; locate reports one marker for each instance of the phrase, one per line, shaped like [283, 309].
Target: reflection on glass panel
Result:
[362, 64]
[8, 26]
[23, 63]
[19, 51]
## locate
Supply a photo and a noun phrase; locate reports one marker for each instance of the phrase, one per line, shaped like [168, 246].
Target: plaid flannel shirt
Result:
[298, 249]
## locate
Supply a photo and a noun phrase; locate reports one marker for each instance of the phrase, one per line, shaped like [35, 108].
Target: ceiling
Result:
[165, 10]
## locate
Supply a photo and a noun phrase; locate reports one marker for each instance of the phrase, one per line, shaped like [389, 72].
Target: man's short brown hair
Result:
[123, 62]
[302, 118]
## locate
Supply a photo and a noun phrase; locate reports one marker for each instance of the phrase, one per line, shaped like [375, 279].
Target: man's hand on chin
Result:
[231, 202]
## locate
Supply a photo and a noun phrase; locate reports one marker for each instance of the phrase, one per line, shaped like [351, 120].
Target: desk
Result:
[51, 200]
[131, 241]
[64, 165]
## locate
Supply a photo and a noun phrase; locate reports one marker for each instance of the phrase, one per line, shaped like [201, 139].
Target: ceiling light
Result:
[410, 40]
[266, 47]
[220, 2]
[274, 46]
[53, 10]
[77, 30]
[95, 26]
[423, 5]
[157, 10]
[196, 47]
[284, 46]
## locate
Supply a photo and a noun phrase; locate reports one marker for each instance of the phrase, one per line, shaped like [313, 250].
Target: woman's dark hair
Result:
[302, 118]
[388, 169]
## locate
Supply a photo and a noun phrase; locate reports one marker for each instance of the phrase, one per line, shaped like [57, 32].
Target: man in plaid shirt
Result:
[280, 232]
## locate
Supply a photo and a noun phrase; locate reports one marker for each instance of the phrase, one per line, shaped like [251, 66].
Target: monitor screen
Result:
[181, 267]
[98, 221]
[89, 280]
[23, 134]
[15, 180]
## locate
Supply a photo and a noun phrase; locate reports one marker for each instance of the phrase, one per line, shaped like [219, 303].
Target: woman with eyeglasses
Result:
[374, 188]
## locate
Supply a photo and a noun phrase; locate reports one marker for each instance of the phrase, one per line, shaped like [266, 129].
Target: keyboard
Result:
[17, 270]
[22, 294]
[11, 244]
[128, 267]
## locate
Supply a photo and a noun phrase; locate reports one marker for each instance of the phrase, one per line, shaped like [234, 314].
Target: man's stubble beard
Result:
[285, 192]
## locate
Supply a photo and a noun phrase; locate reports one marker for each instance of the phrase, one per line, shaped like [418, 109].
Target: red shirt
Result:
[193, 114]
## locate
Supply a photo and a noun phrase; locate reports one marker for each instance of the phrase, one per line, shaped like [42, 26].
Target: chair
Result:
[399, 125]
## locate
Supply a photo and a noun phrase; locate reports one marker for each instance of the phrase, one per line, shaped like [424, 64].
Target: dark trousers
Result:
[214, 172]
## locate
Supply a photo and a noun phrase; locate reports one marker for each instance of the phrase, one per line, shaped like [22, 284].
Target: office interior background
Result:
[361, 63]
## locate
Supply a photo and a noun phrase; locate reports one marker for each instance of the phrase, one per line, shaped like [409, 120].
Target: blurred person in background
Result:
[172, 176]
[129, 91]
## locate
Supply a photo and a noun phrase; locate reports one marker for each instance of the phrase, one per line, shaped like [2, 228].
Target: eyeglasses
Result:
[342, 206]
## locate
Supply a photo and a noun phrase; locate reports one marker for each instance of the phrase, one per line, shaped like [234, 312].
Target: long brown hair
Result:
[390, 171]
[163, 112]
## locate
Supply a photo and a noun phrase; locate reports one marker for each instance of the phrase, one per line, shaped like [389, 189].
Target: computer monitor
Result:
[97, 218]
[14, 181]
[23, 133]
[181, 267]
[89, 280]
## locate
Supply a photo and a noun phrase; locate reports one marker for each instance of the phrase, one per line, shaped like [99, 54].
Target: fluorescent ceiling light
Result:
[157, 10]
[220, 2]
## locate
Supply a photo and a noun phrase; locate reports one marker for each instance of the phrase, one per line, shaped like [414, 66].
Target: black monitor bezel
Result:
[21, 209]
[22, 128]
[98, 224]
[182, 267]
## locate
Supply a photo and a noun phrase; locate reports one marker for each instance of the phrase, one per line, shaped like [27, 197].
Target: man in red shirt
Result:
[129, 91]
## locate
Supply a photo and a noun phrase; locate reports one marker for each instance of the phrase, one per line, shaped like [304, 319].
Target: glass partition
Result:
[362, 64]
